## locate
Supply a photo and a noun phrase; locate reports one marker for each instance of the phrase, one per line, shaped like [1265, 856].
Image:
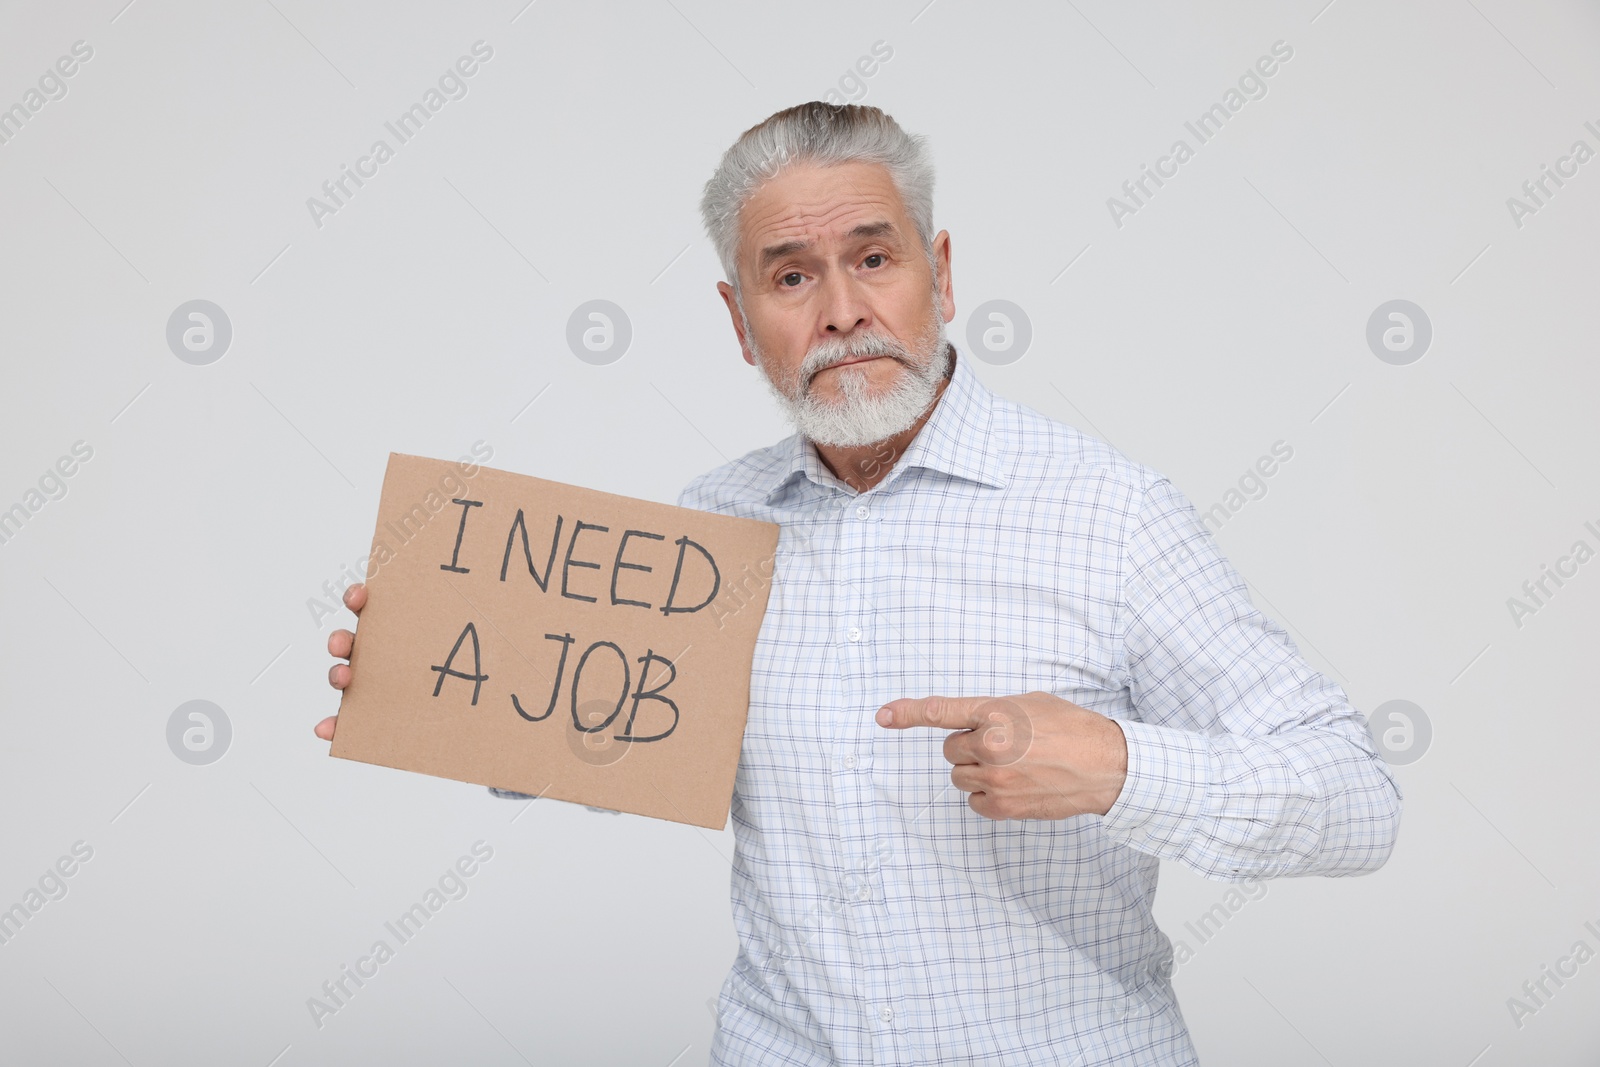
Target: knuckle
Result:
[1003, 711]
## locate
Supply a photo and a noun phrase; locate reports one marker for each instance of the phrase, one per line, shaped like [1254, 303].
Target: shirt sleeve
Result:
[1243, 761]
[691, 495]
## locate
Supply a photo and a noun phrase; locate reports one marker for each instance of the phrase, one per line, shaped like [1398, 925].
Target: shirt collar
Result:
[956, 440]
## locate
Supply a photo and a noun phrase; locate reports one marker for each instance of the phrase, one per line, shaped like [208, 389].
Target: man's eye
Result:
[793, 278]
[874, 261]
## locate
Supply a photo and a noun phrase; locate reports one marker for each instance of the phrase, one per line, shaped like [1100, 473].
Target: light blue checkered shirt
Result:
[880, 919]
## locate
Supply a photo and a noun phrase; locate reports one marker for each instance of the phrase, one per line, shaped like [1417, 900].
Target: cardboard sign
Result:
[557, 641]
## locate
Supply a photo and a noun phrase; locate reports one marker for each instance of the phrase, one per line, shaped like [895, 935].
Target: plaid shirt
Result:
[880, 919]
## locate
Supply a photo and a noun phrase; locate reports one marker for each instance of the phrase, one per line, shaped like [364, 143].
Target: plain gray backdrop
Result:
[1228, 311]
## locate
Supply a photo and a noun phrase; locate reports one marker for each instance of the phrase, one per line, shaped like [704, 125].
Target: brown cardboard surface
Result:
[459, 651]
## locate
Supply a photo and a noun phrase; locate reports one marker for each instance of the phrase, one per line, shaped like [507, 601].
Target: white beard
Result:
[861, 416]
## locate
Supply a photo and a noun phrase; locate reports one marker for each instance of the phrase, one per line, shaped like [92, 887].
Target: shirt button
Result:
[862, 512]
[886, 1014]
[849, 763]
[855, 633]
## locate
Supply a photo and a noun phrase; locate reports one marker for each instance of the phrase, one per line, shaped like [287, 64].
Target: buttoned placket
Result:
[861, 845]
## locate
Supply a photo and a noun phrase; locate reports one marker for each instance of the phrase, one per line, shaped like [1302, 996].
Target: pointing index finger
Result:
[946, 713]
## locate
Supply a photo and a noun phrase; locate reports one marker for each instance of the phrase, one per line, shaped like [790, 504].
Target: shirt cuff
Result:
[1165, 790]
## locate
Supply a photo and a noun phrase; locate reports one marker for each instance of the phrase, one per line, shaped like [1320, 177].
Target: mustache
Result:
[825, 354]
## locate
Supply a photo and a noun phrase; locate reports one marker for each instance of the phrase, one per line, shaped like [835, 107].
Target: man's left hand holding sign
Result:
[340, 642]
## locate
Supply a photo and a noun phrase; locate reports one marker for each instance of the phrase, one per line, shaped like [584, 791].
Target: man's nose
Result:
[844, 305]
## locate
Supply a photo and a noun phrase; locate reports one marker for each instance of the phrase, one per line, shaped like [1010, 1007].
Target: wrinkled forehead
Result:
[822, 205]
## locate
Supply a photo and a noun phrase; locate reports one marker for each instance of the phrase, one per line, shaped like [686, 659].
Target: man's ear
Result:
[726, 291]
[943, 284]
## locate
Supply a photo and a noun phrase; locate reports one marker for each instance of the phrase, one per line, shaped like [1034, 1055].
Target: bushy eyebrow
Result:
[873, 229]
[787, 248]
[772, 253]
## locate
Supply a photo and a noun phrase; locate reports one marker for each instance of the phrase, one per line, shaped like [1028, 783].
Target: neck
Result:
[863, 466]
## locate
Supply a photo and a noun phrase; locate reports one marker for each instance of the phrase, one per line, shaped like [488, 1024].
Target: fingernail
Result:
[885, 717]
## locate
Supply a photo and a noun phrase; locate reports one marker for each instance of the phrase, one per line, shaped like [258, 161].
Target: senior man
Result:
[1106, 696]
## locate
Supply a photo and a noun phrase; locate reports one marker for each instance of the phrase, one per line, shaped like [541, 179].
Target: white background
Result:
[1227, 314]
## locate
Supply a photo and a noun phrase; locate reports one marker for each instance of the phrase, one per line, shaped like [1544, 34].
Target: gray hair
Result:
[824, 134]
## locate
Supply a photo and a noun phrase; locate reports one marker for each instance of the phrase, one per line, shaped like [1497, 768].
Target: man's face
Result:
[841, 310]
